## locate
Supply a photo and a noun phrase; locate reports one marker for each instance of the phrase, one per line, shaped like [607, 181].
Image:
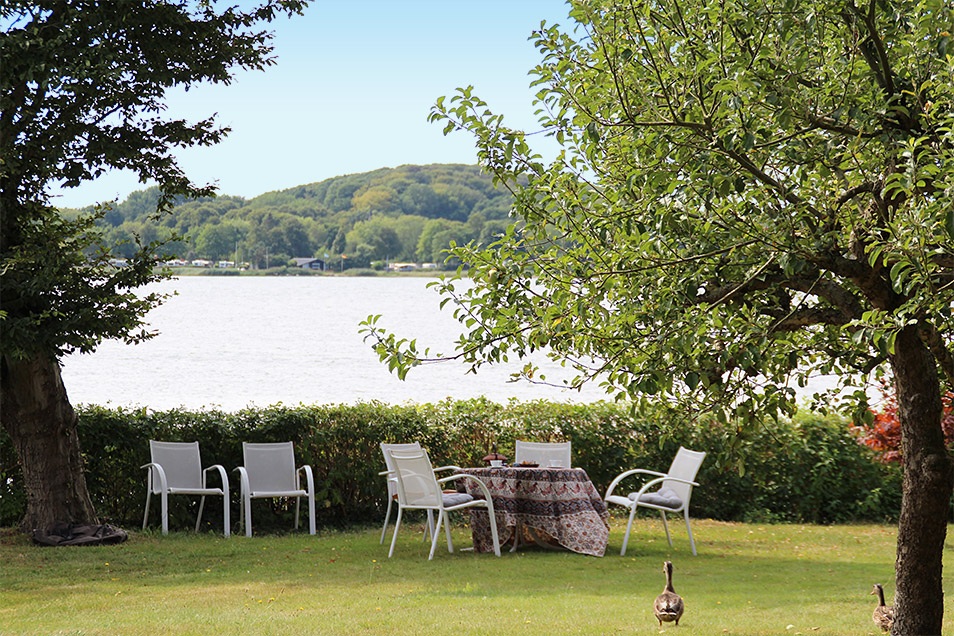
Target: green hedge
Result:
[811, 469]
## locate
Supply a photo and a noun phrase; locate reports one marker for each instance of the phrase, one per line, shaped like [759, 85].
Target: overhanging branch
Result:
[810, 316]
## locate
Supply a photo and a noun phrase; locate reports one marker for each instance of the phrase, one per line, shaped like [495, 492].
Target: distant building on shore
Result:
[309, 263]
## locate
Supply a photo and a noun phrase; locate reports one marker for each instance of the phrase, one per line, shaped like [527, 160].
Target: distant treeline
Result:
[404, 214]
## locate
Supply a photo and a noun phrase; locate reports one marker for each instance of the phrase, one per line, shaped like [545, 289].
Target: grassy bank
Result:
[748, 579]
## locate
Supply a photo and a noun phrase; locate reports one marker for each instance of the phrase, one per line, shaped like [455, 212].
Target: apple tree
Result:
[745, 193]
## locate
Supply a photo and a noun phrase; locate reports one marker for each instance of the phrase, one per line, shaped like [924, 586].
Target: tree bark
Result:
[927, 487]
[41, 423]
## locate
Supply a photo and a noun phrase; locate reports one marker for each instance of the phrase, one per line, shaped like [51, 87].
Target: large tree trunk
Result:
[928, 482]
[40, 421]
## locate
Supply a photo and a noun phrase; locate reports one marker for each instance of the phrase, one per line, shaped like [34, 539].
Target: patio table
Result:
[553, 505]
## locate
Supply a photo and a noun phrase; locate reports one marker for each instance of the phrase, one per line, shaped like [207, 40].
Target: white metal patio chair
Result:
[419, 489]
[391, 477]
[543, 453]
[176, 469]
[672, 494]
[269, 472]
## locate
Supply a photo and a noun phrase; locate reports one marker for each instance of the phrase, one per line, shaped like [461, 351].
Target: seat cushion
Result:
[664, 497]
[456, 499]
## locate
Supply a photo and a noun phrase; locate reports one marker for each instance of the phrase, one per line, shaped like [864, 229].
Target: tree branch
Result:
[787, 194]
[887, 75]
[808, 316]
[861, 188]
[829, 124]
[876, 58]
[932, 339]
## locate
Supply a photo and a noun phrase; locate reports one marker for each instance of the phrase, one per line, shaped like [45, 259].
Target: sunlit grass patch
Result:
[749, 579]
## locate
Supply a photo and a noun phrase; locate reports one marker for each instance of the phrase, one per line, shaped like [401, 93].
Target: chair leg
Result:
[198, 520]
[447, 531]
[311, 513]
[429, 530]
[145, 516]
[247, 514]
[397, 526]
[226, 517]
[493, 531]
[297, 509]
[692, 543]
[629, 527]
[164, 498]
[387, 517]
[666, 526]
[437, 533]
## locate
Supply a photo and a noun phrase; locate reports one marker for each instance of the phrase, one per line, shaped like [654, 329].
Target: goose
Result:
[668, 606]
[883, 615]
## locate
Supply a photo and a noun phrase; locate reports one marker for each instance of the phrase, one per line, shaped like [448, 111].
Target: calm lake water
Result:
[231, 342]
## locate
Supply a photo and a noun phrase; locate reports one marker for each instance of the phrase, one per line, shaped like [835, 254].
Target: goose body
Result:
[668, 606]
[883, 615]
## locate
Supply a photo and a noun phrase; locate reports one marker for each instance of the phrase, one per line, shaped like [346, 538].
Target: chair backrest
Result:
[270, 466]
[389, 463]
[543, 452]
[180, 462]
[684, 465]
[416, 483]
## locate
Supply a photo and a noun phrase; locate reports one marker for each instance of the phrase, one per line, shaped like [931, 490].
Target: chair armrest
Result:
[681, 481]
[624, 475]
[222, 475]
[386, 472]
[156, 469]
[649, 484]
[480, 484]
[243, 480]
[439, 468]
[309, 479]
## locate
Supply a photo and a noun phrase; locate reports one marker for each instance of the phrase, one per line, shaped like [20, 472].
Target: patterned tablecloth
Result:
[560, 505]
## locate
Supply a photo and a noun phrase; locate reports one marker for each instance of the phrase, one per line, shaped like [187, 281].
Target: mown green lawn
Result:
[746, 580]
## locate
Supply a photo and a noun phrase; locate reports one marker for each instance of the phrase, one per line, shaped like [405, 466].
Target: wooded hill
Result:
[405, 214]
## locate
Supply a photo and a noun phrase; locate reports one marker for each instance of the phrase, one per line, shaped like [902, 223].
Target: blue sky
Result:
[354, 83]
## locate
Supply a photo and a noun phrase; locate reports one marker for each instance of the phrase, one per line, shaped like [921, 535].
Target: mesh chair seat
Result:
[671, 492]
[269, 472]
[175, 468]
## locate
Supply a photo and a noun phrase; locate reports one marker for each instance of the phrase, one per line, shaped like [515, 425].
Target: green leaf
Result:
[593, 132]
[692, 380]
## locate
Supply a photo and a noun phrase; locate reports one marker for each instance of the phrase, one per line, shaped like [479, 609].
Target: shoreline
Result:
[297, 271]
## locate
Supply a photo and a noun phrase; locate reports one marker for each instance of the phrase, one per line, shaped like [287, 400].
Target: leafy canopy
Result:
[82, 90]
[747, 193]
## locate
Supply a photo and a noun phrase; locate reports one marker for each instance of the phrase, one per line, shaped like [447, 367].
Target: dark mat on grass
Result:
[79, 534]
